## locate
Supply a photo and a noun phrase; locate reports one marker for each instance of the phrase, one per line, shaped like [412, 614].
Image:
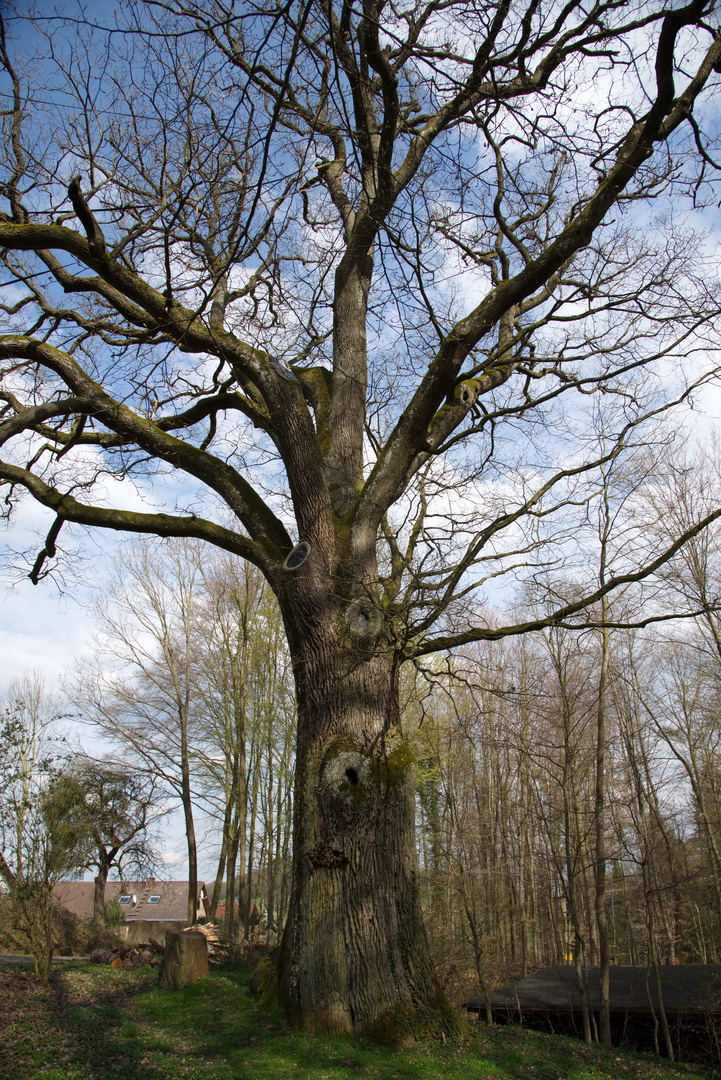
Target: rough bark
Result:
[354, 956]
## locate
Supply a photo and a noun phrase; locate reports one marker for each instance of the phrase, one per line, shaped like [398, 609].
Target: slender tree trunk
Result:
[246, 901]
[240, 877]
[43, 957]
[38, 918]
[235, 872]
[187, 804]
[572, 840]
[192, 866]
[99, 892]
[285, 856]
[653, 955]
[220, 873]
[600, 824]
[478, 957]
[276, 909]
[229, 922]
[275, 882]
[639, 767]
[236, 828]
[270, 830]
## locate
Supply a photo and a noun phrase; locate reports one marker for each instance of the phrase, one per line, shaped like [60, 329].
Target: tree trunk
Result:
[187, 804]
[219, 875]
[600, 827]
[38, 920]
[235, 879]
[653, 956]
[245, 903]
[354, 954]
[285, 857]
[270, 836]
[192, 867]
[99, 893]
[230, 925]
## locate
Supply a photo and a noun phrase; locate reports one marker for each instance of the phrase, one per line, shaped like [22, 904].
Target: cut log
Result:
[101, 956]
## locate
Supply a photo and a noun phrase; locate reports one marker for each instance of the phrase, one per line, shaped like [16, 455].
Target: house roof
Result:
[686, 988]
[172, 905]
[76, 896]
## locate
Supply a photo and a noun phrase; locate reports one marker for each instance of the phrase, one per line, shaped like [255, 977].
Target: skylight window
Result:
[124, 899]
[154, 899]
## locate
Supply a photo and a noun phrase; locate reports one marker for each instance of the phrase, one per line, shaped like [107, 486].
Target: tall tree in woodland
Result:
[680, 692]
[273, 729]
[570, 698]
[616, 492]
[354, 272]
[648, 820]
[224, 626]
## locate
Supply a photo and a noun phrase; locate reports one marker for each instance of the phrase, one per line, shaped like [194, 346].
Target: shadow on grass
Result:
[99, 1024]
[230, 1035]
[226, 1030]
[72, 1029]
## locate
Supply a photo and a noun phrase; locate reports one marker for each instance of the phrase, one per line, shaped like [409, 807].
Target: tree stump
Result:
[185, 959]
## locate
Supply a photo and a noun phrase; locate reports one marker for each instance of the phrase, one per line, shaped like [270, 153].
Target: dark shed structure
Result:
[550, 1000]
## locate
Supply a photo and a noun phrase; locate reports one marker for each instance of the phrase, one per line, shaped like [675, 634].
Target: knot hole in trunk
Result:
[364, 623]
[346, 789]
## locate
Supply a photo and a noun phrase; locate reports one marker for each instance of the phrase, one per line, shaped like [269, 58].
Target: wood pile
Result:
[151, 952]
[148, 953]
[218, 951]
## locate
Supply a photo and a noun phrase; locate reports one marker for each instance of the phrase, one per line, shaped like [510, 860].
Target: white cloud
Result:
[172, 858]
[40, 631]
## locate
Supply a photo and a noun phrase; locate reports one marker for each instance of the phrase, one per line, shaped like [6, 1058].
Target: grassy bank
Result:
[94, 1023]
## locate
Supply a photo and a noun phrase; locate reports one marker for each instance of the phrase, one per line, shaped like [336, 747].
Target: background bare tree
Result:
[247, 709]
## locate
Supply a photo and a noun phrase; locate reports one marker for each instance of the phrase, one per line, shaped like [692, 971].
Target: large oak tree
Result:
[356, 271]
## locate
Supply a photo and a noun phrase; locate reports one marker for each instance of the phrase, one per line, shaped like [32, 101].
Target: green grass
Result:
[94, 1023]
